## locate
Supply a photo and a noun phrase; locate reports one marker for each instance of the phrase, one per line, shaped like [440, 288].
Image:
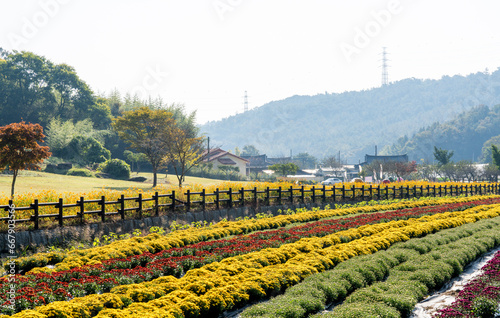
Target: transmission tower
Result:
[245, 102]
[385, 73]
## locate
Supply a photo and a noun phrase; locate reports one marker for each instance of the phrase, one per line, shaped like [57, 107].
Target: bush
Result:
[115, 168]
[138, 179]
[79, 172]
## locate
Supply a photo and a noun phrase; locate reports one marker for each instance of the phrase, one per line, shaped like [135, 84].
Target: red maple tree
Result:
[19, 148]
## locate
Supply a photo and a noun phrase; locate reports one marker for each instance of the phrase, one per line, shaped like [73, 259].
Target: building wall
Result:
[242, 165]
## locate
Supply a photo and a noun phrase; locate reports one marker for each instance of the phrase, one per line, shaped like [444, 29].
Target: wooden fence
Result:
[160, 204]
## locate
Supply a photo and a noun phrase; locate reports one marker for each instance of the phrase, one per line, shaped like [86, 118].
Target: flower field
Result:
[202, 272]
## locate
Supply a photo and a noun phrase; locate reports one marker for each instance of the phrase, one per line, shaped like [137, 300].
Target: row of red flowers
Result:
[480, 297]
[38, 289]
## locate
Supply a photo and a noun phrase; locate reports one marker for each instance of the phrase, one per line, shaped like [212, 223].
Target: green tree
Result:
[495, 155]
[147, 131]
[442, 156]
[284, 169]
[35, 89]
[135, 158]
[86, 150]
[60, 133]
[305, 161]
[250, 150]
[116, 168]
[20, 149]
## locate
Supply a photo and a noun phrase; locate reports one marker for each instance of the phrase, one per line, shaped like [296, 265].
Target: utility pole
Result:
[385, 73]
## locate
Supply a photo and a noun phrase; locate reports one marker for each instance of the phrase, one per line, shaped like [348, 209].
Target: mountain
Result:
[353, 122]
[469, 135]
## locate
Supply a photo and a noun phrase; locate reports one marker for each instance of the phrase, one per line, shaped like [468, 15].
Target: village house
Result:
[218, 157]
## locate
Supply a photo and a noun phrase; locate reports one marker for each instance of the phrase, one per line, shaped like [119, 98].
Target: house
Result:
[218, 157]
[260, 163]
[397, 158]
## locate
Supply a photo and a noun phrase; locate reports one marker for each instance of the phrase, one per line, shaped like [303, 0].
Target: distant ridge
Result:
[354, 122]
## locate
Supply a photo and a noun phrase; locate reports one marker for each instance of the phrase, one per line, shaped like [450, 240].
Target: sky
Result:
[206, 53]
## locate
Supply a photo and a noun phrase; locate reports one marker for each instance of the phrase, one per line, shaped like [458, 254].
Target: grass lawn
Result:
[33, 181]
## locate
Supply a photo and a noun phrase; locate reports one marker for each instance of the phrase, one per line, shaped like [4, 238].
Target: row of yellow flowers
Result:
[220, 286]
[154, 242]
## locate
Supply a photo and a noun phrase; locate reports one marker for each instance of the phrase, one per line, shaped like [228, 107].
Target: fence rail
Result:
[101, 210]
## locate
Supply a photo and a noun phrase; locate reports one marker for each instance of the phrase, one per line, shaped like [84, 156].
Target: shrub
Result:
[115, 168]
[79, 172]
[138, 179]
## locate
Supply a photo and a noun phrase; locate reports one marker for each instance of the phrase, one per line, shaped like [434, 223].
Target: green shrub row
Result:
[427, 272]
[409, 271]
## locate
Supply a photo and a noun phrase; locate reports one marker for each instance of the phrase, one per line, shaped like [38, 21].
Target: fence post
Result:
[217, 203]
[323, 196]
[291, 194]
[82, 209]
[203, 200]
[139, 208]
[230, 197]
[378, 192]
[313, 195]
[103, 209]
[387, 192]
[242, 191]
[343, 192]
[279, 195]
[188, 203]
[122, 206]
[255, 196]
[353, 189]
[371, 192]
[172, 195]
[334, 195]
[302, 195]
[157, 208]
[268, 200]
[61, 210]
[35, 210]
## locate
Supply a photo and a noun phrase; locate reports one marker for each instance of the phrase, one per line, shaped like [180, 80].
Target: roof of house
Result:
[226, 161]
[216, 154]
[398, 158]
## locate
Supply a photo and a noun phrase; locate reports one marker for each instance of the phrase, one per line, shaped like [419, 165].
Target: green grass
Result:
[32, 181]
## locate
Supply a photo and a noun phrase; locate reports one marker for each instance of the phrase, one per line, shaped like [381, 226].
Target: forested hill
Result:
[469, 135]
[354, 122]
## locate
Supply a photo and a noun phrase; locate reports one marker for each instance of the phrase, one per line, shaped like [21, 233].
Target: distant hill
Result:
[354, 122]
[469, 135]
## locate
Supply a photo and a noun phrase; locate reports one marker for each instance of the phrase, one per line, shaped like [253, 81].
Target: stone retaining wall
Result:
[87, 232]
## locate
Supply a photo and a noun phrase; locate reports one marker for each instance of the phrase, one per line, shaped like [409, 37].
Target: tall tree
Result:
[495, 155]
[147, 131]
[33, 87]
[442, 156]
[19, 148]
[284, 168]
[250, 150]
[184, 152]
[305, 161]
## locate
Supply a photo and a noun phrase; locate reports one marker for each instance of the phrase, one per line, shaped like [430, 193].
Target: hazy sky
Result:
[207, 53]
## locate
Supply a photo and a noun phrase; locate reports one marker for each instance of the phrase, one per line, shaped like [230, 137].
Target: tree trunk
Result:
[155, 177]
[13, 184]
